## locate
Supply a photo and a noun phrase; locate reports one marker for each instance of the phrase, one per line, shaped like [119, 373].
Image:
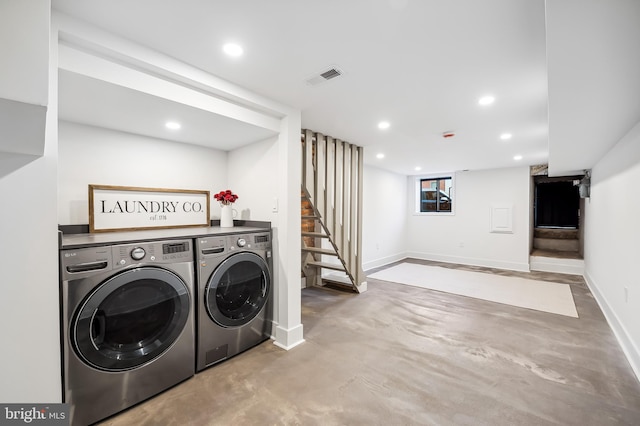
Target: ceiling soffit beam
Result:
[99, 68]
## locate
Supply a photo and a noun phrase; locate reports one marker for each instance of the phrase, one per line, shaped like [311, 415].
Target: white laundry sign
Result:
[117, 208]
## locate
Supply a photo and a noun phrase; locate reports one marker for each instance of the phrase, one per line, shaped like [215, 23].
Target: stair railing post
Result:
[360, 184]
[338, 193]
[346, 204]
[309, 175]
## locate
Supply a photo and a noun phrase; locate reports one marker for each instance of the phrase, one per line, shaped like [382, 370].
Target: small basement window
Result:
[435, 194]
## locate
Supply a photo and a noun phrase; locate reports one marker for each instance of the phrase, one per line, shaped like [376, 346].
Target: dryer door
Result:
[131, 318]
[238, 289]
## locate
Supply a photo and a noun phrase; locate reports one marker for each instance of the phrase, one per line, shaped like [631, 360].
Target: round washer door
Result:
[131, 318]
[238, 289]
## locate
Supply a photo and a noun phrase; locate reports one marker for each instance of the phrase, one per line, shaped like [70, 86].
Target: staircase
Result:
[331, 205]
[556, 250]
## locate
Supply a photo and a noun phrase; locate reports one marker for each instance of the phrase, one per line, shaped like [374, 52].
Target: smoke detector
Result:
[324, 76]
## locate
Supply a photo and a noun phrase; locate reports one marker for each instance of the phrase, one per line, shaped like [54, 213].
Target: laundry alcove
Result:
[113, 100]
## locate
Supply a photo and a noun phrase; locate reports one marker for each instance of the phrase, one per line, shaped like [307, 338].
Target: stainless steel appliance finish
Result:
[127, 324]
[235, 309]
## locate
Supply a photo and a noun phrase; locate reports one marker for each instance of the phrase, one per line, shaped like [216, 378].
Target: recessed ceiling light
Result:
[381, 155]
[383, 125]
[173, 125]
[417, 169]
[233, 49]
[486, 100]
[505, 136]
[517, 157]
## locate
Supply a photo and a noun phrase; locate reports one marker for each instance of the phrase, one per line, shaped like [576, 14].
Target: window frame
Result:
[418, 193]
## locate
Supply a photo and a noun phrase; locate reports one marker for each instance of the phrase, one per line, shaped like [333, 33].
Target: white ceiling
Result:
[95, 102]
[422, 65]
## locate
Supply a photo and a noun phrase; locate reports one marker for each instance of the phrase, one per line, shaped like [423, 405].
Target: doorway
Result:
[557, 218]
[557, 205]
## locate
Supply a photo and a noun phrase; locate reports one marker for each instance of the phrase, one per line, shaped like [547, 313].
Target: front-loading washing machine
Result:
[127, 324]
[235, 309]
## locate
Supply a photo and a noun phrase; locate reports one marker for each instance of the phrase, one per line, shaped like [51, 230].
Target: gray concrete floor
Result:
[401, 355]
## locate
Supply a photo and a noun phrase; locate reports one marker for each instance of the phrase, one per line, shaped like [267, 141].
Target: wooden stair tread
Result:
[338, 279]
[556, 233]
[339, 286]
[314, 235]
[310, 218]
[333, 266]
[558, 254]
[320, 251]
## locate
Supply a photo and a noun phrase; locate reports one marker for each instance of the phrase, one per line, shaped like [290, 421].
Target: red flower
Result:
[226, 197]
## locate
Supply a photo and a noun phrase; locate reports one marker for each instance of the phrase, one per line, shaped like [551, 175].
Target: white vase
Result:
[226, 216]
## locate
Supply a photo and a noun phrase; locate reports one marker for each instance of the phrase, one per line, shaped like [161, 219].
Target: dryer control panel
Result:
[256, 241]
[214, 246]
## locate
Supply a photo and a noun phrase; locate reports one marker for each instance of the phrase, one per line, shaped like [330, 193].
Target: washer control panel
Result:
[87, 261]
[153, 252]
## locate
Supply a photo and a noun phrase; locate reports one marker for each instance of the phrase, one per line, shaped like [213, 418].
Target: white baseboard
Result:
[487, 263]
[629, 347]
[288, 338]
[383, 261]
[562, 266]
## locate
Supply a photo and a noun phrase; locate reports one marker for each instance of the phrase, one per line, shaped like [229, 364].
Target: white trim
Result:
[562, 266]
[487, 263]
[384, 261]
[288, 339]
[629, 348]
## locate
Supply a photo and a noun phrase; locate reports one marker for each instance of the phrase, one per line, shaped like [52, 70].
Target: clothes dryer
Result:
[127, 324]
[234, 284]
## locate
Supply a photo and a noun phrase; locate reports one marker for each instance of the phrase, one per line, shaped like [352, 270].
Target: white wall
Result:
[592, 53]
[30, 357]
[384, 227]
[253, 175]
[612, 241]
[29, 314]
[91, 155]
[24, 49]
[464, 237]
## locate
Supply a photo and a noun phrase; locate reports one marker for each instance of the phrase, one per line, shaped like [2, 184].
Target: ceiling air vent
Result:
[324, 76]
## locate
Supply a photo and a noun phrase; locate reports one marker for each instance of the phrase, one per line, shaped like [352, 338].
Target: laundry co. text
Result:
[139, 206]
